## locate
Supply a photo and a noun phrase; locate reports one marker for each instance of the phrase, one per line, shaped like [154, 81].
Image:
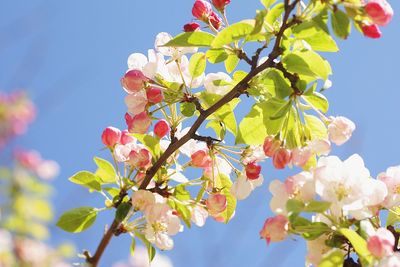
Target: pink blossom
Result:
[47, 169]
[340, 130]
[391, 178]
[201, 159]
[270, 146]
[28, 159]
[133, 81]
[300, 156]
[191, 27]
[275, 229]
[371, 31]
[216, 203]
[161, 128]
[281, 158]
[139, 123]
[253, 171]
[126, 138]
[199, 215]
[142, 199]
[202, 10]
[220, 4]
[136, 102]
[140, 159]
[381, 243]
[111, 136]
[154, 95]
[215, 20]
[379, 11]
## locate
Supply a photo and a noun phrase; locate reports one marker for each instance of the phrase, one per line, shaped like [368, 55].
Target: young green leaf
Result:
[86, 179]
[358, 243]
[197, 64]
[231, 63]
[187, 109]
[189, 39]
[316, 37]
[317, 206]
[122, 210]
[267, 3]
[340, 24]
[78, 219]
[232, 33]
[318, 100]
[316, 126]
[105, 171]
[332, 259]
[216, 55]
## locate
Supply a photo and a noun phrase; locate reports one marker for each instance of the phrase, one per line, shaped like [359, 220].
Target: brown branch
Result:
[293, 78]
[238, 90]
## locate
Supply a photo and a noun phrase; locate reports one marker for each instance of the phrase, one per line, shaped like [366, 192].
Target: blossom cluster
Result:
[16, 113]
[350, 196]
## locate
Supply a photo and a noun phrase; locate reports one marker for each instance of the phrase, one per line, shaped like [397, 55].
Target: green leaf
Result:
[317, 206]
[184, 213]
[122, 210]
[216, 55]
[275, 84]
[224, 182]
[308, 64]
[267, 3]
[340, 24]
[333, 258]
[181, 193]
[282, 111]
[189, 39]
[315, 36]
[317, 127]
[259, 21]
[78, 219]
[187, 109]
[232, 33]
[274, 14]
[294, 205]
[393, 216]
[231, 63]
[86, 179]
[358, 243]
[197, 64]
[318, 100]
[314, 230]
[256, 125]
[105, 171]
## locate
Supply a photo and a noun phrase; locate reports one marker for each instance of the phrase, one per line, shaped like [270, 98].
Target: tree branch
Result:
[237, 91]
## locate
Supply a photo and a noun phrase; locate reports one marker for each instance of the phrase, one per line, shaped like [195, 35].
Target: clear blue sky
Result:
[70, 56]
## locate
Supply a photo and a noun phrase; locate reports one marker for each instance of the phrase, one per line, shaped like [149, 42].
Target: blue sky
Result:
[70, 55]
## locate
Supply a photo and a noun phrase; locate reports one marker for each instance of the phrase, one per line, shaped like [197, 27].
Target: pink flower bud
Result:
[139, 123]
[381, 243]
[253, 171]
[133, 81]
[275, 229]
[202, 10]
[154, 95]
[379, 11]
[340, 130]
[216, 203]
[371, 31]
[191, 27]
[281, 158]
[140, 159]
[28, 159]
[111, 136]
[270, 146]
[126, 138]
[215, 20]
[300, 156]
[220, 4]
[161, 129]
[201, 159]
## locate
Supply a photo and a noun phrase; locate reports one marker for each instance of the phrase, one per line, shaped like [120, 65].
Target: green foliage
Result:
[232, 33]
[231, 63]
[340, 24]
[78, 219]
[318, 101]
[332, 259]
[86, 179]
[187, 109]
[188, 39]
[358, 243]
[105, 171]
[216, 55]
[315, 36]
[197, 64]
[122, 211]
